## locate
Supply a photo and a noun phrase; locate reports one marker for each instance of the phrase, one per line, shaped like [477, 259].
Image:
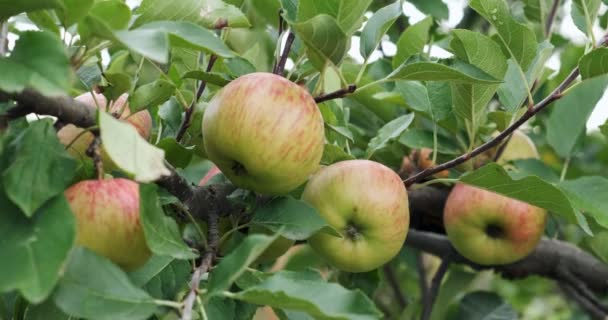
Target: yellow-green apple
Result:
[367, 204]
[264, 132]
[276, 249]
[491, 229]
[520, 146]
[142, 121]
[108, 220]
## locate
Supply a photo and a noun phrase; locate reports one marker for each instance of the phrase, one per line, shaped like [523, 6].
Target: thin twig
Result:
[280, 33]
[502, 147]
[188, 116]
[427, 304]
[393, 282]
[340, 93]
[94, 151]
[281, 65]
[213, 236]
[581, 288]
[551, 18]
[555, 95]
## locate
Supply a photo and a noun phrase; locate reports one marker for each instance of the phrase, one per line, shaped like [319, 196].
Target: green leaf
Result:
[583, 14]
[191, 36]
[324, 39]
[162, 276]
[599, 245]
[418, 139]
[129, 151]
[93, 287]
[412, 41]
[513, 91]
[233, 265]
[566, 124]
[151, 95]
[216, 78]
[470, 100]
[333, 153]
[44, 21]
[594, 63]
[530, 189]
[210, 14]
[73, 11]
[44, 311]
[221, 308]
[9, 8]
[33, 251]
[480, 305]
[435, 8]
[348, 13]
[517, 39]
[589, 195]
[49, 73]
[175, 153]
[537, 10]
[152, 44]
[377, 26]
[39, 169]
[301, 292]
[388, 132]
[114, 13]
[604, 128]
[161, 232]
[454, 70]
[291, 9]
[296, 218]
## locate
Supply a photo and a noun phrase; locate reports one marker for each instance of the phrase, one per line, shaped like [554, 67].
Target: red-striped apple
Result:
[108, 220]
[264, 132]
[367, 204]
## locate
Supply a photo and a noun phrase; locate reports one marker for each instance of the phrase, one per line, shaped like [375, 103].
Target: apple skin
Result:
[108, 220]
[367, 203]
[264, 132]
[142, 121]
[520, 146]
[491, 229]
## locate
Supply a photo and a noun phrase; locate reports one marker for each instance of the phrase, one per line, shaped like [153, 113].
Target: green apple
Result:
[276, 248]
[264, 132]
[108, 220]
[367, 204]
[520, 146]
[491, 229]
[79, 142]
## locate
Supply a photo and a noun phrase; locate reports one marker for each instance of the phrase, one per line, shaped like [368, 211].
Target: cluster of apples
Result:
[266, 134]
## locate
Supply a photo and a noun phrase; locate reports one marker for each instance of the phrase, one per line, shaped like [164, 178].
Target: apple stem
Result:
[340, 93]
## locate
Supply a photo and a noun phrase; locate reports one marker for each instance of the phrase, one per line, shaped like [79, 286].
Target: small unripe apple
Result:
[367, 204]
[264, 132]
[108, 220]
[276, 249]
[142, 121]
[520, 146]
[491, 229]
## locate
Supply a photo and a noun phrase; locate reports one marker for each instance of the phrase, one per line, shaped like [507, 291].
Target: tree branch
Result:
[427, 304]
[283, 60]
[188, 115]
[340, 93]
[551, 18]
[555, 95]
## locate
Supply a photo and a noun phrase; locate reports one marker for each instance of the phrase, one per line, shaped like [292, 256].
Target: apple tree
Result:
[303, 159]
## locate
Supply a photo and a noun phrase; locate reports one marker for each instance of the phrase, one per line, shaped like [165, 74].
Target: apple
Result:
[108, 221]
[491, 229]
[520, 146]
[142, 121]
[276, 249]
[264, 132]
[367, 204]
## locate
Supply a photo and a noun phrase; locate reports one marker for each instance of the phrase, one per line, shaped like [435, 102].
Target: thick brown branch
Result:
[188, 115]
[340, 93]
[427, 304]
